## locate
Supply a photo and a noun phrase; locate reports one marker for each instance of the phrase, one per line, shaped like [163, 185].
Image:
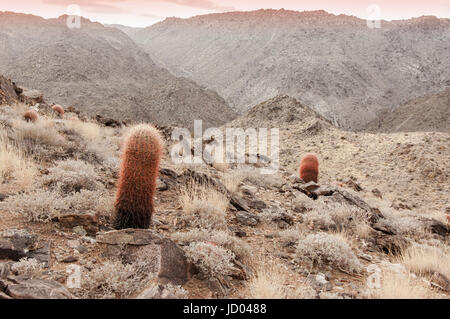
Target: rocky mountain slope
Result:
[225, 231]
[429, 113]
[398, 165]
[344, 70]
[100, 70]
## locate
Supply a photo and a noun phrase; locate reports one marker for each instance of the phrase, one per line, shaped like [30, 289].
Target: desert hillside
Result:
[429, 113]
[100, 70]
[374, 226]
[344, 70]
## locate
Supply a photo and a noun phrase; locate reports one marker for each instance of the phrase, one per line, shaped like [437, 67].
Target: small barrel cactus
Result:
[309, 168]
[31, 116]
[58, 109]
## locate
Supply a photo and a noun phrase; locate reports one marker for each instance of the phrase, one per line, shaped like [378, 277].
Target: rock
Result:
[107, 121]
[249, 190]
[400, 203]
[237, 231]
[79, 230]
[167, 259]
[248, 219]
[5, 269]
[31, 97]
[161, 185]
[385, 228]
[319, 282]
[89, 221]
[389, 244]
[69, 259]
[41, 254]
[4, 296]
[352, 184]
[376, 193]
[16, 244]
[299, 207]
[436, 227]
[238, 203]
[18, 288]
[3, 197]
[310, 187]
[73, 243]
[294, 179]
[162, 292]
[256, 204]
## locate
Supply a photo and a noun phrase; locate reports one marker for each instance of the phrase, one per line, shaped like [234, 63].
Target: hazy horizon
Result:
[140, 13]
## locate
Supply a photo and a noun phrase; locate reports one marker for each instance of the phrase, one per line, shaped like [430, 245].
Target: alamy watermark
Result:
[73, 16]
[228, 145]
[374, 16]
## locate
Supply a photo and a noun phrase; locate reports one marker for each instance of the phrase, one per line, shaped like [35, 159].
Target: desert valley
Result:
[372, 104]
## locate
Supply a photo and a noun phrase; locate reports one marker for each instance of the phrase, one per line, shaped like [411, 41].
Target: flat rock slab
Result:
[16, 243]
[89, 221]
[35, 289]
[166, 259]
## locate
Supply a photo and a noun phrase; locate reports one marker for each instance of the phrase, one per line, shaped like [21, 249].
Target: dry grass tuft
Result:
[232, 179]
[424, 260]
[401, 286]
[271, 281]
[41, 132]
[15, 166]
[205, 207]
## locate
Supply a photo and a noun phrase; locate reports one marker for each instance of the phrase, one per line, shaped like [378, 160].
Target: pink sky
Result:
[146, 12]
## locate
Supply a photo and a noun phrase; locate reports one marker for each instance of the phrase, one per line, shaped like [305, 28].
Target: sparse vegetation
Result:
[401, 286]
[204, 207]
[424, 260]
[325, 250]
[16, 168]
[113, 280]
[210, 258]
[71, 176]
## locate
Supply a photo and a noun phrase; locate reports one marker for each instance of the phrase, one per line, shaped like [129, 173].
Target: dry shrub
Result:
[254, 176]
[42, 206]
[329, 215]
[113, 280]
[405, 223]
[222, 238]
[211, 259]
[37, 206]
[72, 176]
[29, 267]
[87, 130]
[204, 207]
[425, 260]
[42, 132]
[15, 166]
[289, 237]
[322, 249]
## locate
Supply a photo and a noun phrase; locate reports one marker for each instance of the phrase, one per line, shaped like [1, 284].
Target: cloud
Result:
[113, 6]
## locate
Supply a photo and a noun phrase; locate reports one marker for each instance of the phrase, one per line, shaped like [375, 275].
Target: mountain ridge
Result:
[345, 70]
[100, 69]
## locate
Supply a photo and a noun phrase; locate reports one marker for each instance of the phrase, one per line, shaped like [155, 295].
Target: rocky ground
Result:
[376, 218]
